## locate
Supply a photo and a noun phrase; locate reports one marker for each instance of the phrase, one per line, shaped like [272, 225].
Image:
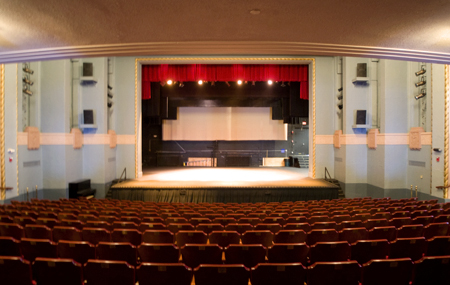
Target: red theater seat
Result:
[387, 272]
[103, 272]
[249, 255]
[121, 251]
[158, 236]
[196, 237]
[38, 232]
[330, 251]
[15, 270]
[195, 254]
[56, 271]
[12, 230]
[224, 238]
[288, 253]
[289, 236]
[432, 270]
[278, 273]
[158, 253]
[223, 274]
[413, 248]
[336, 273]
[257, 237]
[80, 251]
[32, 248]
[164, 274]
[365, 250]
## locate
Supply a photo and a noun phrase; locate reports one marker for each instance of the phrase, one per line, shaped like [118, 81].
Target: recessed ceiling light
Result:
[255, 11]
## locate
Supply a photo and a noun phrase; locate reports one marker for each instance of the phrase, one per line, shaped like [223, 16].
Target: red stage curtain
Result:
[224, 72]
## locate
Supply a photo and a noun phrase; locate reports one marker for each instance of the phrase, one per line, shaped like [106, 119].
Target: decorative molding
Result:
[393, 139]
[77, 138]
[324, 139]
[353, 139]
[222, 47]
[337, 139]
[68, 139]
[372, 138]
[125, 139]
[112, 139]
[415, 140]
[34, 139]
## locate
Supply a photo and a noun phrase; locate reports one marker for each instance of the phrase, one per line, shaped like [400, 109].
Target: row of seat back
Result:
[248, 254]
[429, 270]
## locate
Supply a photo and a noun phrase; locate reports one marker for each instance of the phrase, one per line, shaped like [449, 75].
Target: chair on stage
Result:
[55, 271]
[158, 253]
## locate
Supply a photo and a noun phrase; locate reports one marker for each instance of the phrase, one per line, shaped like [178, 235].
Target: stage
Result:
[212, 184]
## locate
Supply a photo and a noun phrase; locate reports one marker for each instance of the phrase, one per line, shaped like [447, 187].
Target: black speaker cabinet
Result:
[88, 117]
[361, 70]
[88, 69]
[360, 117]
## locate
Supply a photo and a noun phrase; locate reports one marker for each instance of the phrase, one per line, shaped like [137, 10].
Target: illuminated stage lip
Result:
[229, 177]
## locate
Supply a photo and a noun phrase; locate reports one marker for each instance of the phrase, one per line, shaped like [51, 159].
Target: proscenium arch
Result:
[223, 60]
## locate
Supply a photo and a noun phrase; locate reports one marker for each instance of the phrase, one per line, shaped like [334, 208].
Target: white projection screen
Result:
[224, 123]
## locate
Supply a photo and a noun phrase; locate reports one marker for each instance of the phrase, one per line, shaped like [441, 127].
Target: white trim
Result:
[218, 47]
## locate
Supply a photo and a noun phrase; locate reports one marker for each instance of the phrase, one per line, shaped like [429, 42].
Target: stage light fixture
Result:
[340, 106]
[228, 84]
[340, 89]
[110, 104]
[27, 70]
[421, 82]
[169, 82]
[421, 95]
[181, 84]
[200, 82]
[27, 91]
[109, 87]
[421, 72]
[110, 95]
[282, 84]
[270, 82]
[27, 81]
[239, 82]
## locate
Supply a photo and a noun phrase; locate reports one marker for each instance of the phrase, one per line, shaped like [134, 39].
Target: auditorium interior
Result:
[201, 142]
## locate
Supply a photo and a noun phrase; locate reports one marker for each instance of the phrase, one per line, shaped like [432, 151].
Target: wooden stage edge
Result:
[212, 184]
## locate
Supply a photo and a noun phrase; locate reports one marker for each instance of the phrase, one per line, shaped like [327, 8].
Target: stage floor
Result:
[229, 177]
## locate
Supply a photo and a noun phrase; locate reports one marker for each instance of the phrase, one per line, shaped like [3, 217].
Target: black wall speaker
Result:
[88, 69]
[360, 117]
[361, 70]
[88, 117]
